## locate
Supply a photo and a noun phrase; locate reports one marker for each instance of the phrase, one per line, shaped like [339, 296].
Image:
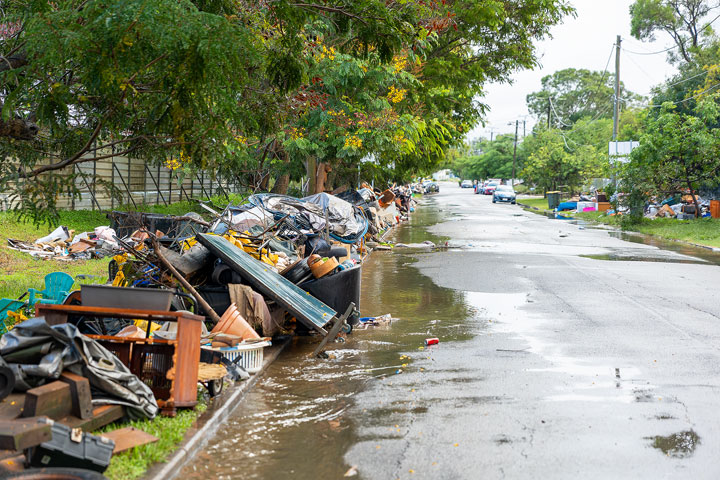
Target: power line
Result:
[709, 89]
[651, 53]
[688, 79]
[700, 44]
[590, 97]
[663, 84]
[557, 116]
[640, 68]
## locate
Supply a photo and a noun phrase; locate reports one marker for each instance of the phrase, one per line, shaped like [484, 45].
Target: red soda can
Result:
[431, 341]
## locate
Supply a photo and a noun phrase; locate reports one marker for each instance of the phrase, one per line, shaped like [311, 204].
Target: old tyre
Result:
[215, 387]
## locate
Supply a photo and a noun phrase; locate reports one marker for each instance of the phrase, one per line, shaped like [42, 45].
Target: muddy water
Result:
[299, 419]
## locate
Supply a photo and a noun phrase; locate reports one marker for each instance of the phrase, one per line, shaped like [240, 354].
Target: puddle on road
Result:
[640, 256]
[297, 420]
[692, 254]
[678, 445]
[705, 254]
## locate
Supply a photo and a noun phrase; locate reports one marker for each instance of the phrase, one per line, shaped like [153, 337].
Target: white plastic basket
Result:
[251, 355]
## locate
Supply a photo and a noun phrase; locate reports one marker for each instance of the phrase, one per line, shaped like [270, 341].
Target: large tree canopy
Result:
[246, 88]
[684, 20]
[571, 94]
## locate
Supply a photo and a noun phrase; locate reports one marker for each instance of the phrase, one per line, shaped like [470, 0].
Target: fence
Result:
[139, 182]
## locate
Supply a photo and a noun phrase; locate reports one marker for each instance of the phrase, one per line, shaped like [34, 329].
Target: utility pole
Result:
[524, 128]
[512, 182]
[616, 115]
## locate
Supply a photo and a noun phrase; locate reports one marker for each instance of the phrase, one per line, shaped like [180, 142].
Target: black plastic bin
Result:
[217, 296]
[338, 290]
[553, 199]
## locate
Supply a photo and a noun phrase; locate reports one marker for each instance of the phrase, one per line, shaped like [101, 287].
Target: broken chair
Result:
[8, 307]
[57, 287]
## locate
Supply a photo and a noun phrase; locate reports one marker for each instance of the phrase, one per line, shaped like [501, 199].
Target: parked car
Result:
[466, 184]
[490, 188]
[504, 193]
[432, 187]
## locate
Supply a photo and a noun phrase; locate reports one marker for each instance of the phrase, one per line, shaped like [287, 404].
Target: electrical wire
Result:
[557, 116]
[650, 53]
[707, 90]
[676, 45]
[632, 60]
[688, 79]
[587, 101]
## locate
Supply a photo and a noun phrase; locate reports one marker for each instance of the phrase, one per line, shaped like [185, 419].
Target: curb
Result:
[197, 439]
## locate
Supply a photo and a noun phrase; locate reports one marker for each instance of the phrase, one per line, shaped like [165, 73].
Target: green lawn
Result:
[20, 271]
[703, 231]
[537, 202]
[169, 431]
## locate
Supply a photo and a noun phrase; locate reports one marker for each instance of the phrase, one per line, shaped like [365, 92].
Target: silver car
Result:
[504, 193]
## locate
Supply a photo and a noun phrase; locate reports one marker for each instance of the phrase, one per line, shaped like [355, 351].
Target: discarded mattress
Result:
[306, 308]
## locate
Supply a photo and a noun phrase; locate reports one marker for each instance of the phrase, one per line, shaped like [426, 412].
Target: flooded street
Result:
[302, 417]
[552, 361]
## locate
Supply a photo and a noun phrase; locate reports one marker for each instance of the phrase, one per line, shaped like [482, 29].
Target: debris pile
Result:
[189, 300]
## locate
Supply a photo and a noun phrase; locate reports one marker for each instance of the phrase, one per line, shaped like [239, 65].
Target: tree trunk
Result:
[264, 182]
[18, 129]
[331, 180]
[322, 171]
[694, 197]
[311, 169]
[281, 185]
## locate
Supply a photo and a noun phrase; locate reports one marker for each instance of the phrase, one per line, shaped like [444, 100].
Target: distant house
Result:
[443, 175]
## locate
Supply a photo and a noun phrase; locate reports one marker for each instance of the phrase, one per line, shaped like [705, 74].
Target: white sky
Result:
[581, 42]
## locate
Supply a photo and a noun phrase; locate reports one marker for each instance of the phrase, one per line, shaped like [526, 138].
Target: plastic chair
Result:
[57, 287]
[7, 305]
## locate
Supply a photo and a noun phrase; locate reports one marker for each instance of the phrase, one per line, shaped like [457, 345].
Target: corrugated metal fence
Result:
[139, 182]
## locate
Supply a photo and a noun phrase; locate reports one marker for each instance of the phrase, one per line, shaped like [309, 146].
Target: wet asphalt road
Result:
[565, 352]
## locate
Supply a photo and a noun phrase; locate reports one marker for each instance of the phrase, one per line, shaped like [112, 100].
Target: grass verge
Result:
[537, 202]
[703, 231]
[169, 431]
[20, 271]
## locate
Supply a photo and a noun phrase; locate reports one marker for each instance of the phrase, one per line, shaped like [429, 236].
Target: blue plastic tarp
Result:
[567, 206]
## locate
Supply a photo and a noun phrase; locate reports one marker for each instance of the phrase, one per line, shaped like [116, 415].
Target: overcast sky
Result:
[581, 42]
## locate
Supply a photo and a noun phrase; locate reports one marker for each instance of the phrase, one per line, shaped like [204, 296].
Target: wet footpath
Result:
[565, 351]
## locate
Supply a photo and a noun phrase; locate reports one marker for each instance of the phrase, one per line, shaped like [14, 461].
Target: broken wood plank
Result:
[23, 433]
[129, 437]
[52, 399]
[12, 406]
[11, 461]
[80, 392]
[102, 415]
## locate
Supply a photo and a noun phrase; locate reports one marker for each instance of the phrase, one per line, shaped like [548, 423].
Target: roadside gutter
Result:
[217, 413]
